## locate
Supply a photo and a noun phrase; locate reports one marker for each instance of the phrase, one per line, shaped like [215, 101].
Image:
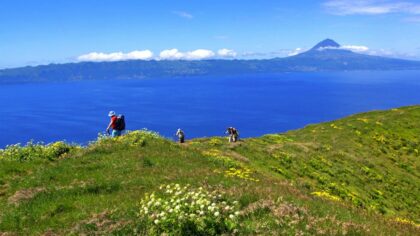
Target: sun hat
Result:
[111, 113]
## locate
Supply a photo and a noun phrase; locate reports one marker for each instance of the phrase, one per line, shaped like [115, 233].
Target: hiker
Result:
[117, 124]
[181, 135]
[233, 134]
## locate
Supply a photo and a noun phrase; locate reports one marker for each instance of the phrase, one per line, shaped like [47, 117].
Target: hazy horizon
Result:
[34, 33]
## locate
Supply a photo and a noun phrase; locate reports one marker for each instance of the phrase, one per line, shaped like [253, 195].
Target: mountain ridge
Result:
[316, 59]
[326, 43]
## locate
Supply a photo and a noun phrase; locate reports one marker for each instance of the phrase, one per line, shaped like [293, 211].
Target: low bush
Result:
[36, 151]
[177, 210]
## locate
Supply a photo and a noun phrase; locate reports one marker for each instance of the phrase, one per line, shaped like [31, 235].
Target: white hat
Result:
[111, 113]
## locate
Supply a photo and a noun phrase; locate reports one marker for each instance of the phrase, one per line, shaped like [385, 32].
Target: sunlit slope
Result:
[357, 176]
[370, 160]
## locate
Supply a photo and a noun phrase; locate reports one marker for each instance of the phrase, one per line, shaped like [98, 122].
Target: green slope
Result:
[356, 176]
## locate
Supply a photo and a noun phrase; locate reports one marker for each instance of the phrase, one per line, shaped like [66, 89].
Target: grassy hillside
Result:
[357, 176]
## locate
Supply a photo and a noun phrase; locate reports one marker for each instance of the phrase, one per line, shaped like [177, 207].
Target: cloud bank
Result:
[296, 52]
[224, 53]
[353, 48]
[371, 7]
[167, 54]
[175, 54]
[116, 56]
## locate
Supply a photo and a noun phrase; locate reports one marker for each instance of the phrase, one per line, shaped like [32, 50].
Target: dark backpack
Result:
[120, 123]
[234, 131]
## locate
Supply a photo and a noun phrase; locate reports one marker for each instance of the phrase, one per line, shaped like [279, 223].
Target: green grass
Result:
[357, 176]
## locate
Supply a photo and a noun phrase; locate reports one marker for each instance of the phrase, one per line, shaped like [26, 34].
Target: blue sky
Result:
[45, 31]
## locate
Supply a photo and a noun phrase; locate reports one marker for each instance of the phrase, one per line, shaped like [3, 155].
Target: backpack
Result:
[120, 123]
[234, 131]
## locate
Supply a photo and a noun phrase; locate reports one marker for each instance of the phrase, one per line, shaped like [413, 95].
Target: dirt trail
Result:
[24, 195]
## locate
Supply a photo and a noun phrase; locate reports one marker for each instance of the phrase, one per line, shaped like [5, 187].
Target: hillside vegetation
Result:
[354, 176]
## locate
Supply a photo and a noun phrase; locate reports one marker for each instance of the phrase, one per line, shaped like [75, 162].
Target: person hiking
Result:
[181, 136]
[117, 124]
[233, 134]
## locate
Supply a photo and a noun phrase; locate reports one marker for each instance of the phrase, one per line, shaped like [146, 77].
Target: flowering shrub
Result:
[131, 138]
[187, 211]
[36, 150]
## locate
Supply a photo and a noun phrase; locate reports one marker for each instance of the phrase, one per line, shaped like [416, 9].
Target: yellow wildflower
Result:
[364, 120]
[326, 195]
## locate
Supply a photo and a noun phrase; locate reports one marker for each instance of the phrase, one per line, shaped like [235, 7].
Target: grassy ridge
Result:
[370, 160]
[357, 176]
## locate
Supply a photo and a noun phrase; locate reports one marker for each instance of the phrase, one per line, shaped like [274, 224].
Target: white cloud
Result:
[168, 54]
[375, 52]
[183, 14]
[224, 52]
[355, 48]
[116, 56]
[394, 54]
[175, 54]
[371, 7]
[171, 54]
[295, 52]
[199, 54]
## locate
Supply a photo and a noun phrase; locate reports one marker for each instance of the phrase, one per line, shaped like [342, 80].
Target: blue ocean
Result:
[201, 106]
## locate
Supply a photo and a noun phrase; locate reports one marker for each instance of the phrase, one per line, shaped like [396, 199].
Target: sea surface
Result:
[201, 106]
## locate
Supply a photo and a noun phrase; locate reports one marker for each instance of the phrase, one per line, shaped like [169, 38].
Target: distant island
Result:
[327, 55]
